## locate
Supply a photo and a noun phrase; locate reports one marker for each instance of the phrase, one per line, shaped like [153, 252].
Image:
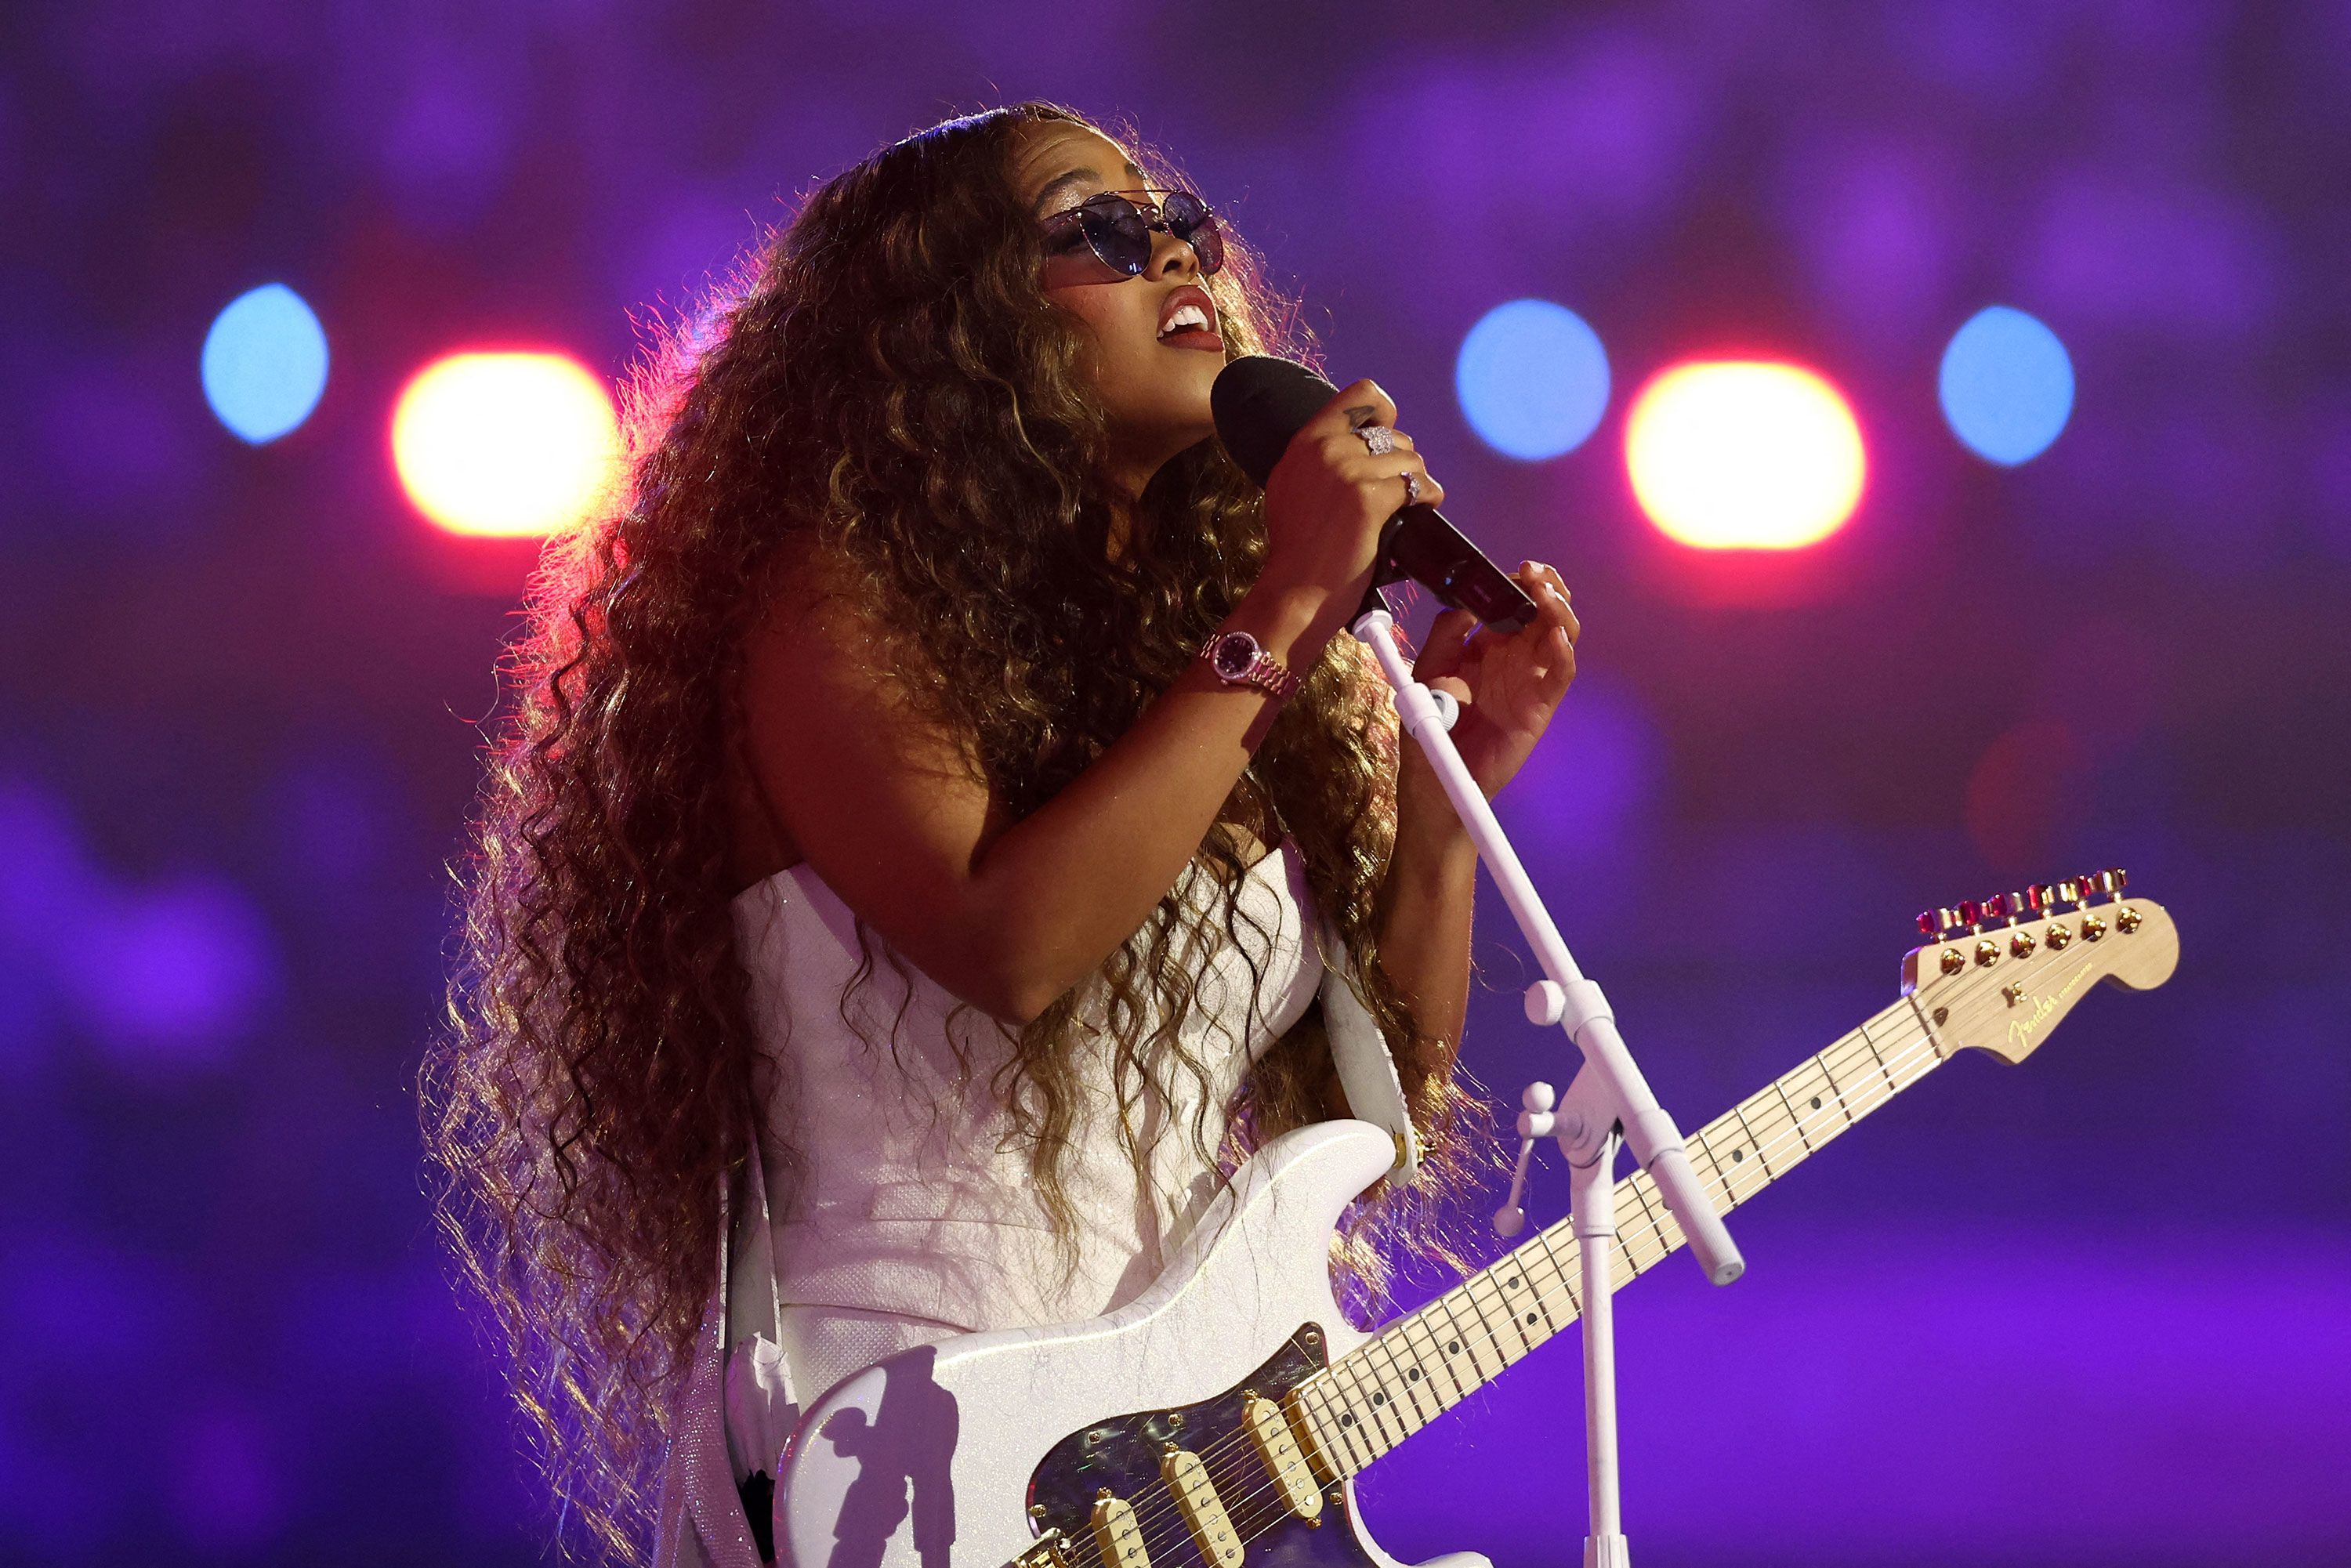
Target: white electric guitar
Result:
[1221, 1417]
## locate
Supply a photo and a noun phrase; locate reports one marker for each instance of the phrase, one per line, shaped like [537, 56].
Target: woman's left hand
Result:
[1508, 684]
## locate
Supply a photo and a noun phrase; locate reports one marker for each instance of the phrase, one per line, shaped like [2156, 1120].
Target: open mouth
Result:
[1188, 319]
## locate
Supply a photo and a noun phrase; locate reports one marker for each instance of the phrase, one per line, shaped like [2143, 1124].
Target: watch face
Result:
[1236, 651]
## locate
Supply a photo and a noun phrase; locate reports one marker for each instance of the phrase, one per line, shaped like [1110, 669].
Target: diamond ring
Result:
[1378, 439]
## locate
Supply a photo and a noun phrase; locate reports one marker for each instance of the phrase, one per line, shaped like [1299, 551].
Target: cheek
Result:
[1117, 331]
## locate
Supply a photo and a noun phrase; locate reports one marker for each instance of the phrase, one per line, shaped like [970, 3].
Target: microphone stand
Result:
[1608, 1104]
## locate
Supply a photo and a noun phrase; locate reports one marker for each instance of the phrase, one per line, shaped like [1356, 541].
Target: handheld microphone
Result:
[1261, 402]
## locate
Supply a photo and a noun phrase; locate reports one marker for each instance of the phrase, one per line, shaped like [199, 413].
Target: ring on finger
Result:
[1379, 440]
[1410, 488]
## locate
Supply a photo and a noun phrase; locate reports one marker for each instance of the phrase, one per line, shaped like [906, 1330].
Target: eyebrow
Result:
[1064, 185]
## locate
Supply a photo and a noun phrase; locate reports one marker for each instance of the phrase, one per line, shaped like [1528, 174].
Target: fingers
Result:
[1441, 651]
[1381, 476]
[1549, 591]
[1359, 403]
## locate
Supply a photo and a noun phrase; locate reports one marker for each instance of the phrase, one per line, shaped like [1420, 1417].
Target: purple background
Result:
[2093, 1309]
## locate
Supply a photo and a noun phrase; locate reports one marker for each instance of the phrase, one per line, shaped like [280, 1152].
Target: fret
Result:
[1906, 1037]
[1723, 1198]
[1494, 1308]
[1486, 1357]
[1661, 1223]
[1563, 1275]
[1333, 1442]
[1463, 1343]
[1369, 1419]
[1812, 1092]
[1769, 1123]
[1892, 1086]
[1405, 1378]
[1746, 1172]
[1432, 1356]
[1796, 1119]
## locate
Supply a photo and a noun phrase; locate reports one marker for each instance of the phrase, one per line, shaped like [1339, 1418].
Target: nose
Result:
[1171, 258]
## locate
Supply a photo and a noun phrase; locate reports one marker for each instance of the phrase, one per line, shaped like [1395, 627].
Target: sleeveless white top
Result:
[915, 1196]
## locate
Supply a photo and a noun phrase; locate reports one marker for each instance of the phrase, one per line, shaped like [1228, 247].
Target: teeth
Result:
[1186, 316]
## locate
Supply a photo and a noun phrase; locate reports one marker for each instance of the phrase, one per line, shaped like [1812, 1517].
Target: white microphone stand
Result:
[1608, 1103]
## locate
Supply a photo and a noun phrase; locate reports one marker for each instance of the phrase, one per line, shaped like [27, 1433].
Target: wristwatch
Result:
[1238, 659]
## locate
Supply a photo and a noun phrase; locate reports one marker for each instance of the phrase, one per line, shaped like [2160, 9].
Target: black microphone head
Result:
[1259, 402]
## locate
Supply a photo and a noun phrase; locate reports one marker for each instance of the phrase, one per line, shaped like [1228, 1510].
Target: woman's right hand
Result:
[1326, 502]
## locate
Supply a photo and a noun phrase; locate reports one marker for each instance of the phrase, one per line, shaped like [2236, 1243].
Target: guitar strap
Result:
[1367, 1070]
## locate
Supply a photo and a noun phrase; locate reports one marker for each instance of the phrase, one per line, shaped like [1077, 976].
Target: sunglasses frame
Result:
[1155, 219]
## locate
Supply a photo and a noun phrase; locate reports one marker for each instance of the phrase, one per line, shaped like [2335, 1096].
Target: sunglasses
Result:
[1118, 231]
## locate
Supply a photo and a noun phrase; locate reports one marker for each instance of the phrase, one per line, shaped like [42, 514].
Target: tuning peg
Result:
[2015, 904]
[1927, 927]
[1970, 912]
[2067, 892]
[2117, 879]
[1996, 908]
[2093, 882]
[2039, 896]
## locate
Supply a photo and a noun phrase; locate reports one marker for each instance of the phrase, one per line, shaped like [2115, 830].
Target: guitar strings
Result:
[1158, 1498]
[1158, 1501]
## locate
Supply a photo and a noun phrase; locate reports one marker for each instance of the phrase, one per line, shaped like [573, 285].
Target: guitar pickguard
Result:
[1122, 1456]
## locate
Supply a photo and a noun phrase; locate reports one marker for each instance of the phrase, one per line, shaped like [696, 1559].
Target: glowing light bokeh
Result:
[1533, 380]
[1744, 454]
[2006, 385]
[505, 444]
[264, 364]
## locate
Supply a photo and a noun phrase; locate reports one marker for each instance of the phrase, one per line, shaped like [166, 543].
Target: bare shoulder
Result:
[862, 776]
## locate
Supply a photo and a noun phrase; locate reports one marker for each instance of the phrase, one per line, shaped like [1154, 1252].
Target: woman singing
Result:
[944, 815]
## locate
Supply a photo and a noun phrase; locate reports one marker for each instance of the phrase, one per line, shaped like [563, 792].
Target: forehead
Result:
[1054, 162]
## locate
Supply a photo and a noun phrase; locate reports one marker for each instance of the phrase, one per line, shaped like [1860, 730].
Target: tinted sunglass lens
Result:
[1117, 231]
[1189, 220]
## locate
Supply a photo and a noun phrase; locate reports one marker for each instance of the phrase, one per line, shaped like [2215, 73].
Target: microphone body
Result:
[1260, 403]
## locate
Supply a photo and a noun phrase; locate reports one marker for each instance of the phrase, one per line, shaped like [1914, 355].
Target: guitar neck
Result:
[1426, 1361]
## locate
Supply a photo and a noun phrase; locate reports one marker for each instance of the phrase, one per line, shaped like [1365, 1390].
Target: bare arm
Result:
[1427, 902]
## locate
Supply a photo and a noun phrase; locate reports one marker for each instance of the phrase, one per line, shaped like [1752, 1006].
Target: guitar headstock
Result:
[1999, 974]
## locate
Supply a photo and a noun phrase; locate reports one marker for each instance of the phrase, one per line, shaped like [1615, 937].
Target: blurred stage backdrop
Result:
[2066, 288]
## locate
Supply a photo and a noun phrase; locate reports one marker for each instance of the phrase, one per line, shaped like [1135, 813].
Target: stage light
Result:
[264, 364]
[2007, 385]
[506, 444]
[1533, 380]
[1737, 454]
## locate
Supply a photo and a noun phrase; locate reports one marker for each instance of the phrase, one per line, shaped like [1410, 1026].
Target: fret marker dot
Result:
[1453, 1347]
[1379, 1398]
[1346, 1419]
[1817, 1102]
[1531, 1317]
[1512, 1282]
[1412, 1376]
[1737, 1156]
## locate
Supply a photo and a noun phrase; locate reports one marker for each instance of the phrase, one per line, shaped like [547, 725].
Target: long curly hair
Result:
[589, 1102]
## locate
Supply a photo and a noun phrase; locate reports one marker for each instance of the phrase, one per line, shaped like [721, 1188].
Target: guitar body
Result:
[936, 1458]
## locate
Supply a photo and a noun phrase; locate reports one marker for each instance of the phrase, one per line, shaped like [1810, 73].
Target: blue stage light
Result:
[1533, 380]
[2007, 385]
[264, 364]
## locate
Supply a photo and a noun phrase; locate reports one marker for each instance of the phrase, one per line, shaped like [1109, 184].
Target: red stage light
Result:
[505, 444]
[1743, 454]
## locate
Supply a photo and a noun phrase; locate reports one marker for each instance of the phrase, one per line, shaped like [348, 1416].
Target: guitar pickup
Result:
[1117, 1533]
[1203, 1510]
[1278, 1447]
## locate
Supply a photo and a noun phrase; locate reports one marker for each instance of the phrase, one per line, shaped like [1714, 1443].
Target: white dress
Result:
[914, 1216]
